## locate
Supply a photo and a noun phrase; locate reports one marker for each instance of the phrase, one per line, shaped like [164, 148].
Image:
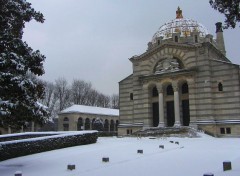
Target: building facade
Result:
[183, 79]
[80, 117]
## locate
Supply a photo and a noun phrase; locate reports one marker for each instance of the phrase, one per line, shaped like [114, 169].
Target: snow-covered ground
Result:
[192, 157]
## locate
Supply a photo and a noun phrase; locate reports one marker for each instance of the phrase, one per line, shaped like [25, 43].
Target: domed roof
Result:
[180, 25]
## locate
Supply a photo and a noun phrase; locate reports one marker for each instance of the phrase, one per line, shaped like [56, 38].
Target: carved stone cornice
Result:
[156, 49]
[187, 73]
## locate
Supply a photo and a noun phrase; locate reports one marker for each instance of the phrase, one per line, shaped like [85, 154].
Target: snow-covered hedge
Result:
[27, 135]
[12, 149]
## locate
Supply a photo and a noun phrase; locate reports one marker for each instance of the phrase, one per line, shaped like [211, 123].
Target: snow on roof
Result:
[90, 110]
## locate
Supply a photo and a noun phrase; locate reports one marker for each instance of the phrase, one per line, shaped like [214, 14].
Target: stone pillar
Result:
[9, 130]
[32, 127]
[176, 104]
[161, 106]
[90, 125]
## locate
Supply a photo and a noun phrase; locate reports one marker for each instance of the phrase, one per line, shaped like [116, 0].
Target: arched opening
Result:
[185, 88]
[111, 125]
[98, 124]
[106, 125]
[170, 106]
[155, 106]
[155, 109]
[176, 38]
[154, 92]
[66, 119]
[117, 123]
[170, 90]
[196, 39]
[185, 105]
[80, 124]
[87, 124]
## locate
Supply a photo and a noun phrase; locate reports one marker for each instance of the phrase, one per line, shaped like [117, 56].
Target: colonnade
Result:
[161, 87]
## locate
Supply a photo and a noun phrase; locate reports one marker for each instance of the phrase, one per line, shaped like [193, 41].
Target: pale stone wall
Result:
[125, 102]
[208, 106]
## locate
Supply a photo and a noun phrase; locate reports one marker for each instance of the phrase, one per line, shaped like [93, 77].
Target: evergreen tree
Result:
[18, 62]
[231, 10]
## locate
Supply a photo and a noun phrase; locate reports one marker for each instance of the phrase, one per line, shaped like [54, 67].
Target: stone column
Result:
[161, 106]
[9, 130]
[176, 104]
[32, 127]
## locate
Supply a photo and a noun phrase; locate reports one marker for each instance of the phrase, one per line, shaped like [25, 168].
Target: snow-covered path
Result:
[192, 157]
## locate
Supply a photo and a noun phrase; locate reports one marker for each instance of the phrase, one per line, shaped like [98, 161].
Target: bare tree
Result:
[103, 101]
[115, 101]
[80, 91]
[50, 98]
[92, 97]
[62, 93]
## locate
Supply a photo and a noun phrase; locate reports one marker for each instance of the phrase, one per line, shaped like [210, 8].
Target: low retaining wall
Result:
[12, 149]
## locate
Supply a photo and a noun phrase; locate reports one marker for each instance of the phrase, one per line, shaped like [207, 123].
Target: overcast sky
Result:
[92, 40]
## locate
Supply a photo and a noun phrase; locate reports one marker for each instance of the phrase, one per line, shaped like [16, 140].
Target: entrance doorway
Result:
[155, 108]
[170, 113]
[185, 111]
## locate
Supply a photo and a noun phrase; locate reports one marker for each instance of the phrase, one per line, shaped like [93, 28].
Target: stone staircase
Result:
[167, 132]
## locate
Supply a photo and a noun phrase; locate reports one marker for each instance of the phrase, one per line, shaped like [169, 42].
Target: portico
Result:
[169, 101]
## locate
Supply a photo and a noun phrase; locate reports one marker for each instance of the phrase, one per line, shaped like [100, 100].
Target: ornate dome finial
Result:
[179, 13]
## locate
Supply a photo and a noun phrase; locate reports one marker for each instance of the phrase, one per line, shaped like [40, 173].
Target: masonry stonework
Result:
[183, 79]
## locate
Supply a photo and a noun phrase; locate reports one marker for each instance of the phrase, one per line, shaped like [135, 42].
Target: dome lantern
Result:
[179, 13]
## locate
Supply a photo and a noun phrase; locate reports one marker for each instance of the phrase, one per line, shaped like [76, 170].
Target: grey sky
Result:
[93, 39]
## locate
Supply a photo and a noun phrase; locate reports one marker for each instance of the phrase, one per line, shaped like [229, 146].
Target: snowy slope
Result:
[192, 157]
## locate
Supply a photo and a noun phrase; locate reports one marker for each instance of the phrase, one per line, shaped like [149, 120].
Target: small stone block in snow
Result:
[177, 143]
[208, 174]
[105, 159]
[18, 173]
[227, 165]
[171, 141]
[140, 151]
[161, 146]
[152, 138]
[71, 167]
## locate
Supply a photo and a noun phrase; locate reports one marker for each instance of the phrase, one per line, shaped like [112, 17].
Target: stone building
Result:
[80, 117]
[183, 79]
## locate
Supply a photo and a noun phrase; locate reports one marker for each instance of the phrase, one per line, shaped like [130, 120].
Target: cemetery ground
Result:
[131, 156]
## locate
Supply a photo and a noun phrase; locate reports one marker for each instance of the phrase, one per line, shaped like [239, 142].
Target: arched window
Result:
[66, 119]
[87, 124]
[111, 125]
[154, 91]
[196, 38]
[80, 124]
[169, 90]
[176, 38]
[220, 87]
[185, 88]
[131, 96]
[106, 125]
